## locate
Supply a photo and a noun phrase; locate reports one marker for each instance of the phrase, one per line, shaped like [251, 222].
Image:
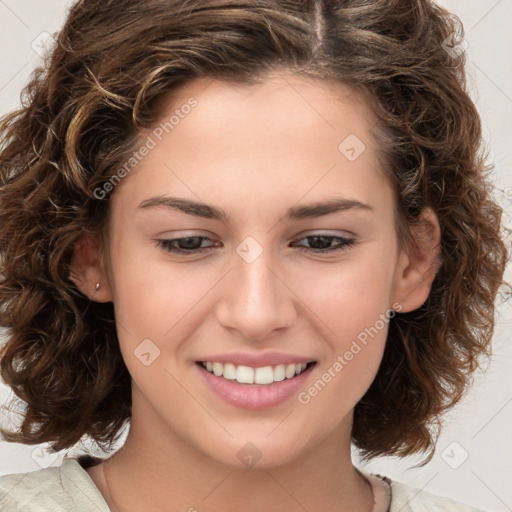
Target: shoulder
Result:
[59, 489]
[410, 499]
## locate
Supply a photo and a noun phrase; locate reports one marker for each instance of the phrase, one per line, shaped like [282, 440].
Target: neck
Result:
[156, 469]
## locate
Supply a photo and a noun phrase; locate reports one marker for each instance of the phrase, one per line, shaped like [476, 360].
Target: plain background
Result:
[473, 462]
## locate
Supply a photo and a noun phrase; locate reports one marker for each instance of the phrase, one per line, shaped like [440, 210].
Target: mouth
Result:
[263, 375]
[254, 387]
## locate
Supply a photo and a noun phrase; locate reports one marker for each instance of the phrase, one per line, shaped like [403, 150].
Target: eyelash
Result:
[167, 245]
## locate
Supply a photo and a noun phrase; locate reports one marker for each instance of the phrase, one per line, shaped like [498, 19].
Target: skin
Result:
[254, 151]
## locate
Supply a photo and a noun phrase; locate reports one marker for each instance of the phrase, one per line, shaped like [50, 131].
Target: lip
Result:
[256, 360]
[254, 396]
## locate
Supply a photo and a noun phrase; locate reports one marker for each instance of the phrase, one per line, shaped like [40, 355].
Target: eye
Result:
[323, 243]
[194, 244]
[187, 245]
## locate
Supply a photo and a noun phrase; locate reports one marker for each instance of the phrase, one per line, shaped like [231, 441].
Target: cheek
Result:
[349, 296]
[352, 306]
[138, 304]
[150, 294]
[354, 344]
[159, 302]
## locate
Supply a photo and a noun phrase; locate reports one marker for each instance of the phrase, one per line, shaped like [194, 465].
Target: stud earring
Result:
[97, 286]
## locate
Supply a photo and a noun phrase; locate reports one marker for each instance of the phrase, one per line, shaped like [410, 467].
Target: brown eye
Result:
[187, 245]
[323, 243]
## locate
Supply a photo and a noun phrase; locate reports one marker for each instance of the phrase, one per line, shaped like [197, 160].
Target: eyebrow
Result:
[206, 211]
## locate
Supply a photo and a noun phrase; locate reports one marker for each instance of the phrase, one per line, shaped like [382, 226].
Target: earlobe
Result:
[87, 269]
[419, 263]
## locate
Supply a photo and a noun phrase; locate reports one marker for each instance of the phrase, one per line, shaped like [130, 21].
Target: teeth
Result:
[264, 375]
[245, 375]
[279, 373]
[229, 371]
[249, 375]
[290, 371]
[218, 368]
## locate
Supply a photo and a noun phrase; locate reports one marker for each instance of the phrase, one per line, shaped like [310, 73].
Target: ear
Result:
[418, 265]
[88, 270]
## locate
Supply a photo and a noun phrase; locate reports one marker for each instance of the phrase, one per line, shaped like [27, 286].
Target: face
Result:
[291, 258]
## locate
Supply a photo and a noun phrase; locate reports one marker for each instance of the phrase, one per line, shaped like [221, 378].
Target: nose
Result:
[257, 301]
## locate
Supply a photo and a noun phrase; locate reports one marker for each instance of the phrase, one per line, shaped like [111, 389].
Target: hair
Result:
[81, 116]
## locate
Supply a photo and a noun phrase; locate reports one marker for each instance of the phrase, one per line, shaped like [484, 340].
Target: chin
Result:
[258, 452]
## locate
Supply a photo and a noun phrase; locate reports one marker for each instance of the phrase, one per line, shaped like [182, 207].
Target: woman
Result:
[257, 232]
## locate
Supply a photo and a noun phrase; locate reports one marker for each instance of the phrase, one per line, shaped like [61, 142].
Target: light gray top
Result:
[68, 488]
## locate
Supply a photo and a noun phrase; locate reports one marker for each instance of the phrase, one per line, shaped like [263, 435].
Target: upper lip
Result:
[256, 360]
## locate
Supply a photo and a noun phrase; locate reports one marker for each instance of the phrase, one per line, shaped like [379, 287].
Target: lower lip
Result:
[254, 396]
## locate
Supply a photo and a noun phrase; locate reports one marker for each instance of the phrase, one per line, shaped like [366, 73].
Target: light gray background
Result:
[479, 428]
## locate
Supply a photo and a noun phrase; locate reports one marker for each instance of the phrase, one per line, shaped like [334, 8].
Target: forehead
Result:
[278, 139]
[276, 100]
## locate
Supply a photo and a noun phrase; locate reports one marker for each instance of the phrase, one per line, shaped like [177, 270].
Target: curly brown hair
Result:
[82, 113]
